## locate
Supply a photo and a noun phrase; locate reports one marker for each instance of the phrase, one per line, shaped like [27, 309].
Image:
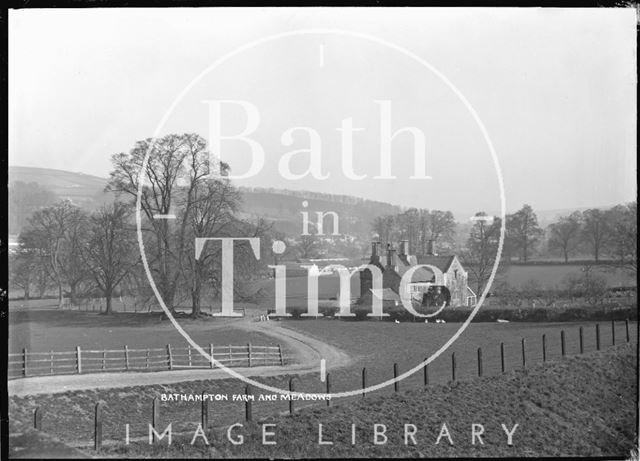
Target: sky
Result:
[554, 90]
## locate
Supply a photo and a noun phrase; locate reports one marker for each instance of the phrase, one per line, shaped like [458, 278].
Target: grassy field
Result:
[377, 345]
[63, 330]
[579, 406]
[69, 414]
[554, 275]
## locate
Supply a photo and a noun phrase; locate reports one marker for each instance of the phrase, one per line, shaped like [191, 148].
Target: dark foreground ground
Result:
[578, 406]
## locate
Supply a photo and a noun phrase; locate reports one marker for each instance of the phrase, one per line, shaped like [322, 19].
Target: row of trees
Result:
[71, 248]
[611, 232]
[65, 244]
[418, 226]
[596, 233]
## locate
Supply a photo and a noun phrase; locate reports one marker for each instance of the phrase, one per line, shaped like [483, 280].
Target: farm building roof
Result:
[441, 262]
[420, 275]
[386, 294]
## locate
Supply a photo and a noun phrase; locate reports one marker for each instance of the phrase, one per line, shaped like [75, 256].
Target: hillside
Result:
[283, 207]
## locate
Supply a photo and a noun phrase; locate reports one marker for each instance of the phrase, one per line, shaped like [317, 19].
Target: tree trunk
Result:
[566, 256]
[195, 302]
[107, 299]
[26, 292]
[72, 293]
[60, 295]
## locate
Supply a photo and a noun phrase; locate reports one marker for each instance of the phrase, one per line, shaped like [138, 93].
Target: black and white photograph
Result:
[321, 232]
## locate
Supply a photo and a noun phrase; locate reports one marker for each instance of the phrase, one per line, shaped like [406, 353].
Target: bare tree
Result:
[177, 166]
[441, 226]
[623, 225]
[595, 231]
[523, 230]
[21, 273]
[481, 250]
[214, 203]
[385, 227]
[564, 235]
[47, 231]
[308, 246]
[110, 251]
[72, 268]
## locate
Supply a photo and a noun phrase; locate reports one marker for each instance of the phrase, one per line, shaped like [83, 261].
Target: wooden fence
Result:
[80, 361]
[131, 304]
[207, 419]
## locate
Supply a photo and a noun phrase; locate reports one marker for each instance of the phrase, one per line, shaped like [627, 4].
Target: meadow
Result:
[62, 330]
[581, 405]
[373, 345]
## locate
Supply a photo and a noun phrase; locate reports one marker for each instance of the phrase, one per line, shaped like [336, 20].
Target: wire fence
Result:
[527, 354]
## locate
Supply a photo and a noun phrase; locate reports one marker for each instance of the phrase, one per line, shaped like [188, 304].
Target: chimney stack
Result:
[374, 249]
[430, 248]
[390, 252]
[404, 247]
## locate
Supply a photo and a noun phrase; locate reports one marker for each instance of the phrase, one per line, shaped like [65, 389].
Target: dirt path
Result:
[303, 352]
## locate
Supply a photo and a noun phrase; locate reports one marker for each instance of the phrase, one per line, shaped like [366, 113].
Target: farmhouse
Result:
[452, 289]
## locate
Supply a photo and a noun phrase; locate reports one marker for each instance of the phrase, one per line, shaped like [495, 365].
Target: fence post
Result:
[328, 388]
[364, 381]
[249, 354]
[97, 433]
[51, 358]
[24, 362]
[626, 326]
[189, 354]
[426, 373]
[291, 410]
[453, 366]
[613, 332]
[544, 348]
[396, 386]
[247, 409]
[524, 356]
[211, 353]
[146, 361]
[169, 357]
[155, 416]
[205, 412]
[562, 344]
[597, 336]
[502, 357]
[480, 361]
[37, 418]
[126, 357]
[230, 355]
[581, 341]
[78, 359]
[280, 353]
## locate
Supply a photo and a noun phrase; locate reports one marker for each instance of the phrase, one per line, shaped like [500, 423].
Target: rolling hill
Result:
[42, 186]
[281, 206]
